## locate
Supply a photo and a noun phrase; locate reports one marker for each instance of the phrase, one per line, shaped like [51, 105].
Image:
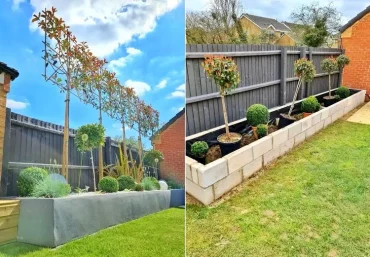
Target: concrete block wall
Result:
[209, 182]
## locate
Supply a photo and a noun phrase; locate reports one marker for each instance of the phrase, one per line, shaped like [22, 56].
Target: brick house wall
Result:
[171, 142]
[356, 42]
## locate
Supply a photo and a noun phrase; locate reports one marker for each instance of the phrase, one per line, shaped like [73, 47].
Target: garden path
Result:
[362, 115]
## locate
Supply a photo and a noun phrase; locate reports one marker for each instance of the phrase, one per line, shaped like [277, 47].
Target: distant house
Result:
[355, 36]
[278, 33]
[170, 141]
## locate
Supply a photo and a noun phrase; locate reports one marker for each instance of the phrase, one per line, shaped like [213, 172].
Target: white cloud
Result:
[16, 105]
[140, 87]
[16, 3]
[162, 84]
[179, 92]
[118, 126]
[105, 25]
[115, 65]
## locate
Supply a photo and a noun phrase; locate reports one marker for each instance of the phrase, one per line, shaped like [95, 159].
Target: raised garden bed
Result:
[53, 222]
[209, 182]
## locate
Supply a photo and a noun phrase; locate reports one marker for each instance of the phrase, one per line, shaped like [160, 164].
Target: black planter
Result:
[227, 148]
[329, 100]
[200, 159]
[285, 120]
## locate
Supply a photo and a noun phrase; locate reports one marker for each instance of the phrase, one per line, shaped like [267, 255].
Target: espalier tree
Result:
[66, 61]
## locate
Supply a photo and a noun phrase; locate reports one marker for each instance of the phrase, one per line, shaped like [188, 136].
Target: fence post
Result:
[6, 149]
[303, 87]
[108, 150]
[283, 68]
[309, 84]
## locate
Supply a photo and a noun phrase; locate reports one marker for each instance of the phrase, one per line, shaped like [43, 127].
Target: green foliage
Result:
[257, 114]
[304, 69]
[80, 190]
[336, 97]
[150, 156]
[262, 130]
[28, 178]
[139, 187]
[125, 182]
[89, 136]
[108, 185]
[317, 35]
[310, 105]
[49, 188]
[150, 183]
[199, 148]
[174, 185]
[329, 65]
[342, 61]
[343, 92]
[224, 72]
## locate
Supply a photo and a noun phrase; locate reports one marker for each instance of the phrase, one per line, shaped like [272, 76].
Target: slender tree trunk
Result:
[93, 169]
[66, 131]
[295, 97]
[124, 138]
[225, 114]
[329, 85]
[100, 150]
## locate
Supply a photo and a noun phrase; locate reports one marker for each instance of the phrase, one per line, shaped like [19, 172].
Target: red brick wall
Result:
[357, 47]
[171, 142]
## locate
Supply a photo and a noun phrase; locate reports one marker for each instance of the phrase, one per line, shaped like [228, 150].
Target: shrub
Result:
[173, 185]
[257, 114]
[342, 60]
[108, 185]
[261, 130]
[199, 148]
[139, 187]
[310, 105]
[125, 182]
[150, 183]
[343, 92]
[150, 156]
[49, 188]
[28, 178]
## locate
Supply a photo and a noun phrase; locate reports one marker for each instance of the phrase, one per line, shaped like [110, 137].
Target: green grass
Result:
[160, 234]
[315, 201]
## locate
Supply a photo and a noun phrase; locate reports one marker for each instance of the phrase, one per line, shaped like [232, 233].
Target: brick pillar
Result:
[4, 89]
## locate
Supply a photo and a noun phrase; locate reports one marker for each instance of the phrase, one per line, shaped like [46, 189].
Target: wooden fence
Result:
[31, 142]
[266, 77]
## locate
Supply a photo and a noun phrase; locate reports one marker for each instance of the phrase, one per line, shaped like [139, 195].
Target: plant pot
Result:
[329, 100]
[201, 160]
[228, 147]
[306, 114]
[285, 120]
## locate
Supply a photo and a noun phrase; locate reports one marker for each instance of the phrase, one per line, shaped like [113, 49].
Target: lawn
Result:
[314, 201]
[160, 234]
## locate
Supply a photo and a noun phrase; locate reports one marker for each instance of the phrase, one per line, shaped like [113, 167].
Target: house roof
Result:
[12, 72]
[169, 123]
[355, 19]
[292, 25]
[264, 22]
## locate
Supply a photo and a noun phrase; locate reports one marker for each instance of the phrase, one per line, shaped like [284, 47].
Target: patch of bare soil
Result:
[214, 153]
[231, 138]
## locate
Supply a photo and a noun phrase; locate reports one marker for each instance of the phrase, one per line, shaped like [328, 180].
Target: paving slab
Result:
[361, 116]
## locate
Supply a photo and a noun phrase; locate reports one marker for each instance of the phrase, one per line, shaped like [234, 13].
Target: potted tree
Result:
[309, 106]
[329, 65]
[305, 71]
[226, 75]
[199, 150]
[257, 114]
[342, 61]
[89, 137]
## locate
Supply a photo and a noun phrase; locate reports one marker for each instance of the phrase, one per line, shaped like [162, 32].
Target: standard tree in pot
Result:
[305, 71]
[226, 75]
[329, 65]
[342, 61]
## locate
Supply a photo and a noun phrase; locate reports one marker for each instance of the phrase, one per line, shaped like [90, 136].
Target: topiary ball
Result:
[199, 148]
[28, 178]
[125, 182]
[257, 114]
[343, 92]
[139, 187]
[108, 185]
[310, 105]
[261, 130]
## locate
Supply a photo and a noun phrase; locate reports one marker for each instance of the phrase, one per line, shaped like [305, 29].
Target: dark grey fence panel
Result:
[263, 79]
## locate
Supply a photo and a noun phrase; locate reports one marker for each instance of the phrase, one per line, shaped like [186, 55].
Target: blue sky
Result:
[142, 40]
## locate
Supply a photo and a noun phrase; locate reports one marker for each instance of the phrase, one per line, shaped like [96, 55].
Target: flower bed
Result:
[55, 221]
[209, 182]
